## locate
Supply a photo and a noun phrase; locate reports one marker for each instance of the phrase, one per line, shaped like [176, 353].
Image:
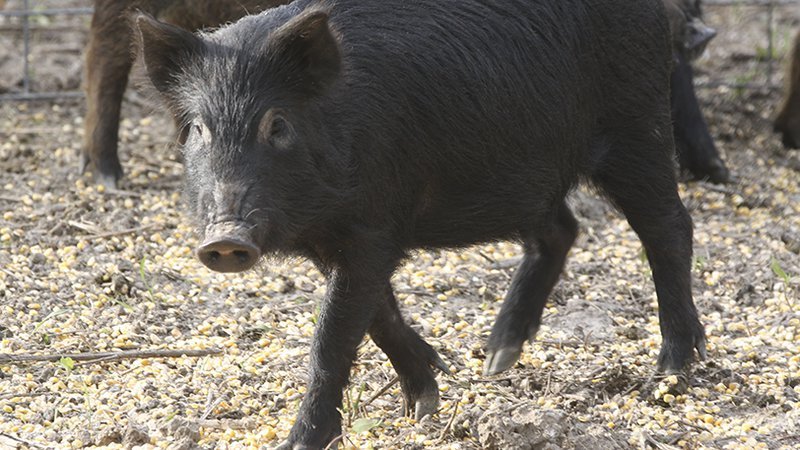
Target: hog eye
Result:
[276, 131]
[278, 127]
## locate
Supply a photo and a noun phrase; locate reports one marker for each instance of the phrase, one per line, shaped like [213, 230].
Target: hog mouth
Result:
[229, 246]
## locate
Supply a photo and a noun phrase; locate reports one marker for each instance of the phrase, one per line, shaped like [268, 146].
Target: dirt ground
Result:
[83, 269]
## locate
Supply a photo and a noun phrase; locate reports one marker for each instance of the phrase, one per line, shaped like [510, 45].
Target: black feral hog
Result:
[109, 58]
[353, 131]
[694, 145]
[787, 123]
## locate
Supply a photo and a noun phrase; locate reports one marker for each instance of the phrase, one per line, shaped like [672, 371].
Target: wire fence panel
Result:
[47, 35]
[54, 32]
[754, 35]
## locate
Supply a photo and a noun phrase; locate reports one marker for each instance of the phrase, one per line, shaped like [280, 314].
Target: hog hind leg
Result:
[521, 313]
[413, 358]
[635, 171]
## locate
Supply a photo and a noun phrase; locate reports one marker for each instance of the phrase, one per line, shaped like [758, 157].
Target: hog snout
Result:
[228, 251]
[699, 36]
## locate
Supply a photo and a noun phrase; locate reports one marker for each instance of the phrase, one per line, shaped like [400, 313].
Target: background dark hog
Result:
[690, 34]
[109, 58]
[694, 145]
[787, 122]
[354, 132]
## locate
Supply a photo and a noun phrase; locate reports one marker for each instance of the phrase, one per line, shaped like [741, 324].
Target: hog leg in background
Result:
[787, 122]
[693, 142]
[108, 63]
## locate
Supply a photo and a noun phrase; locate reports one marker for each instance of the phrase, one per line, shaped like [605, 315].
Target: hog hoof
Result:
[718, 173]
[714, 171]
[286, 445]
[289, 444]
[438, 363]
[314, 428]
[106, 174]
[501, 359]
[424, 404]
[676, 354]
[108, 181]
[84, 164]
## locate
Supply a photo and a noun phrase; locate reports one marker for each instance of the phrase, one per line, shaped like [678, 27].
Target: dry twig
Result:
[659, 445]
[380, 392]
[247, 423]
[120, 232]
[449, 423]
[22, 441]
[109, 356]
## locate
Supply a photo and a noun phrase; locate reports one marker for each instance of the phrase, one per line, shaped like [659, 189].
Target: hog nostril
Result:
[243, 255]
[228, 254]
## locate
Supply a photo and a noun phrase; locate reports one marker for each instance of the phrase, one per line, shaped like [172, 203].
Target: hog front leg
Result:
[348, 310]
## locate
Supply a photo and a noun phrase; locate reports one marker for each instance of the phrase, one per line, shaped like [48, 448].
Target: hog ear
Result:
[163, 48]
[307, 46]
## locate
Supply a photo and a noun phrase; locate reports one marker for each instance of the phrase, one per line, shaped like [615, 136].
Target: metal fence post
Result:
[770, 11]
[26, 39]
